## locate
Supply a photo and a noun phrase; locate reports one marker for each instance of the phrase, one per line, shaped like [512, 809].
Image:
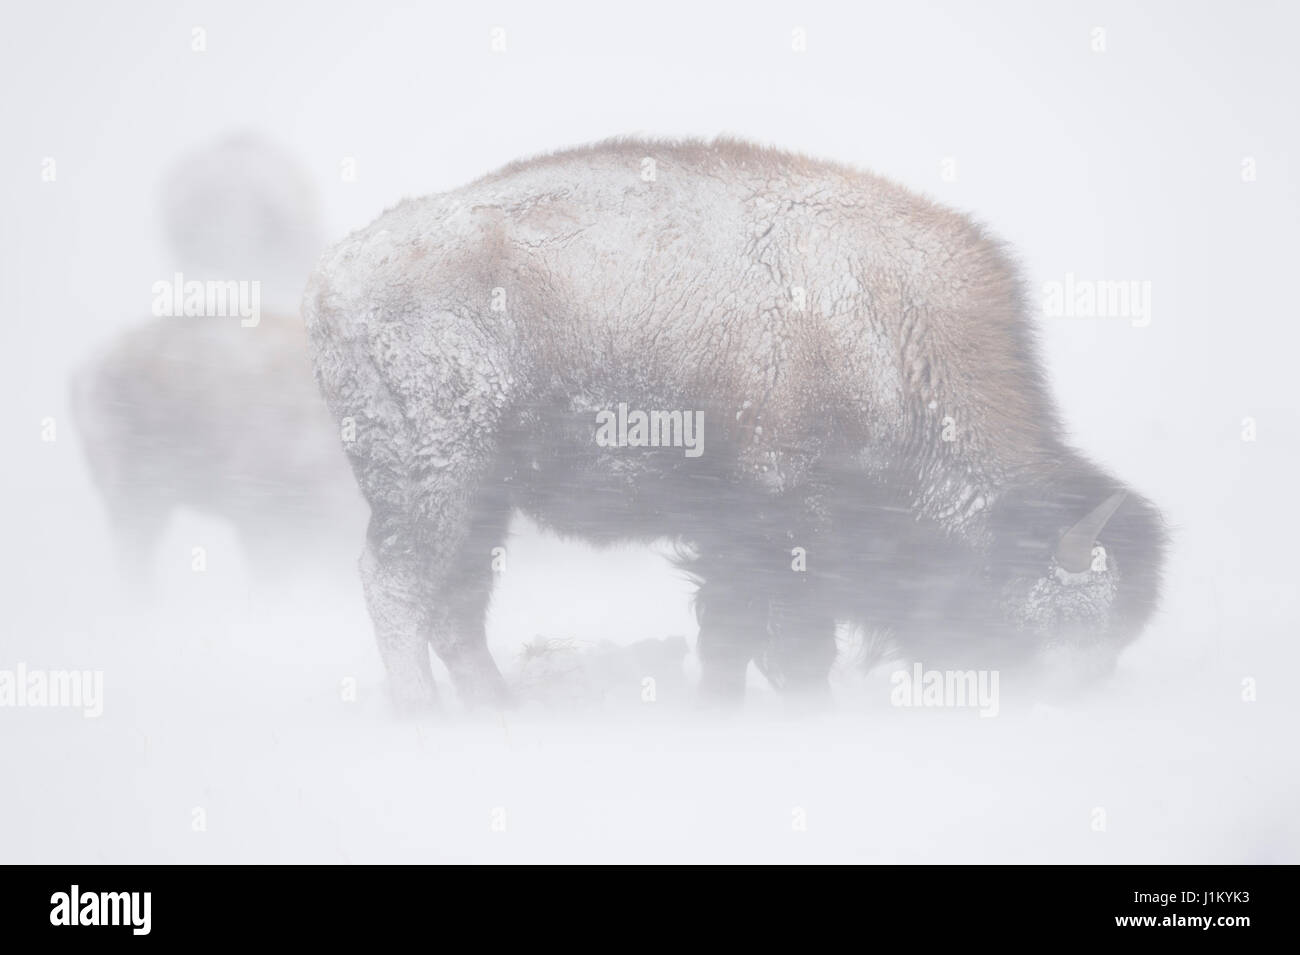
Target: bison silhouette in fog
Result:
[222, 420]
[201, 412]
[872, 437]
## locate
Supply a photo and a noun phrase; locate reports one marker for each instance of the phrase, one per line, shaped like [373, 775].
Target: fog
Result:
[244, 710]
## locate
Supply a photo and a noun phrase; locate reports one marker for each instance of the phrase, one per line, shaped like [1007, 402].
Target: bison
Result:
[870, 440]
[219, 413]
[220, 419]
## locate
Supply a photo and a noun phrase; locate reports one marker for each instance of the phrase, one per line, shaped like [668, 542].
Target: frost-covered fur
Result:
[828, 325]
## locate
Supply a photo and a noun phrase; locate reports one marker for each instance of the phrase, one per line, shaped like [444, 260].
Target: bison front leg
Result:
[136, 531]
[733, 620]
[799, 651]
[753, 606]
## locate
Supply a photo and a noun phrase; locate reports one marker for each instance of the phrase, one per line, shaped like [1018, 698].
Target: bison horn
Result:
[1074, 553]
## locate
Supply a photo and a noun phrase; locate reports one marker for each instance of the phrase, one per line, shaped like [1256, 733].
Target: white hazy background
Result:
[1117, 165]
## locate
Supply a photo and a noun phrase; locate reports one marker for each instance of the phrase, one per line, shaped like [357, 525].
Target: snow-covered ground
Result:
[239, 711]
[230, 730]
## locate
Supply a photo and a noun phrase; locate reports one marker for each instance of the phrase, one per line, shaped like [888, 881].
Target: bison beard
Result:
[882, 448]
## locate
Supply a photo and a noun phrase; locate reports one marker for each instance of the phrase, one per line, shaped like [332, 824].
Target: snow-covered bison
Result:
[823, 386]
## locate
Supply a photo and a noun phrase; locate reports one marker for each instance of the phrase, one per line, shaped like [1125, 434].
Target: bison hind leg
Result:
[460, 602]
[428, 587]
[394, 585]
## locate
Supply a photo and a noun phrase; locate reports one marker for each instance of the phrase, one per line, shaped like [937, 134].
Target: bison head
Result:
[1075, 569]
